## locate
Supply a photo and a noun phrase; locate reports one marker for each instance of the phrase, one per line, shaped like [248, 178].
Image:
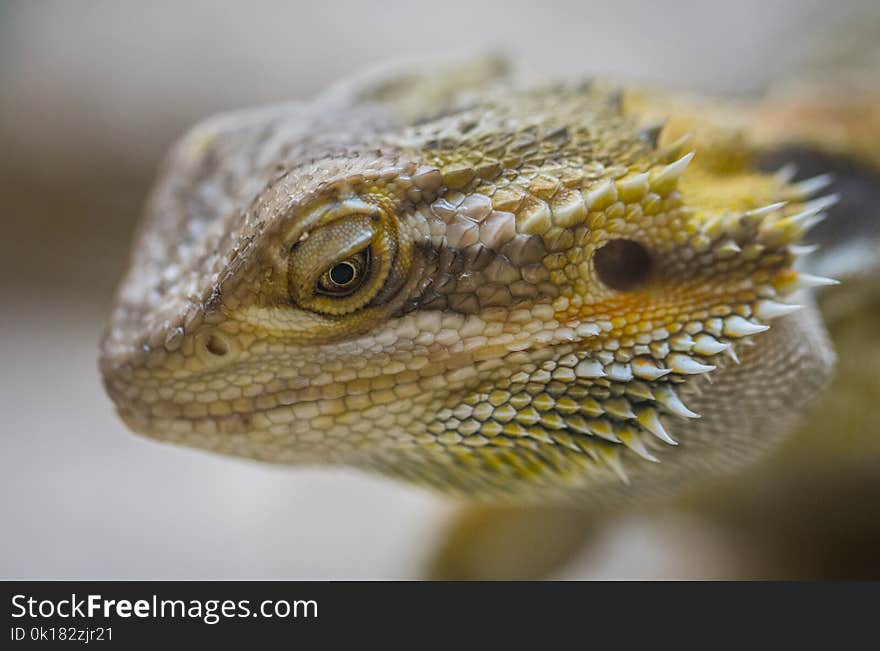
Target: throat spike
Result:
[667, 397]
[648, 418]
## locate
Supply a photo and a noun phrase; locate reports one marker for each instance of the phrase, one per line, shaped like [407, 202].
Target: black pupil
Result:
[622, 264]
[342, 273]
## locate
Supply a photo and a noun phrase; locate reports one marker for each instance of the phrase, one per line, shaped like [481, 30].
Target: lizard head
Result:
[529, 292]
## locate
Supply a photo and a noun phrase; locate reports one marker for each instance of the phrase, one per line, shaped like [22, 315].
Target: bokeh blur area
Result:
[91, 95]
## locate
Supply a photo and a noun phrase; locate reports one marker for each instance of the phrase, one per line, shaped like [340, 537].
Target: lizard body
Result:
[503, 293]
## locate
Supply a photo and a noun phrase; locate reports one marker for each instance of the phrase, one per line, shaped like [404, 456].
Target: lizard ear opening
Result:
[622, 265]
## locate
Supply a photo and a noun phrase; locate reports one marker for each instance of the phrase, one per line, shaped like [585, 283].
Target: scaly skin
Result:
[552, 298]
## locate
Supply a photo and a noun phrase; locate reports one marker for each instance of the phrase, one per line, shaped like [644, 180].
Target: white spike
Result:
[801, 250]
[737, 326]
[809, 215]
[809, 280]
[809, 223]
[728, 249]
[708, 345]
[822, 203]
[667, 397]
[731, 353]
[685, 365]
[806, 281]
[647, 369]
[804, 220]
[650, 420]
[791, 228]
[763, 211]
[629, 436]
[666, 178]
[809, 187]
[767, 309]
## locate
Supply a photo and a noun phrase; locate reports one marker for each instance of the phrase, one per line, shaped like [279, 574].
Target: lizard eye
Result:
[341, 266]
[345, 276]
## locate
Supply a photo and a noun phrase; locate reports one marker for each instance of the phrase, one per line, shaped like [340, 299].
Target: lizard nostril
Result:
[622, 264]
[216, 346]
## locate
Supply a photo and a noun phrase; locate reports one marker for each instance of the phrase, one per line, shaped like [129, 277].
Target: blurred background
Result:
[92, 93]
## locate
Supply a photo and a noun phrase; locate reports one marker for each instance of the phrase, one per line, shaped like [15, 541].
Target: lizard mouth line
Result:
[594, 436]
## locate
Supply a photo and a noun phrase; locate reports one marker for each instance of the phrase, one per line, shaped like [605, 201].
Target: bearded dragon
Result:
[508, 293]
